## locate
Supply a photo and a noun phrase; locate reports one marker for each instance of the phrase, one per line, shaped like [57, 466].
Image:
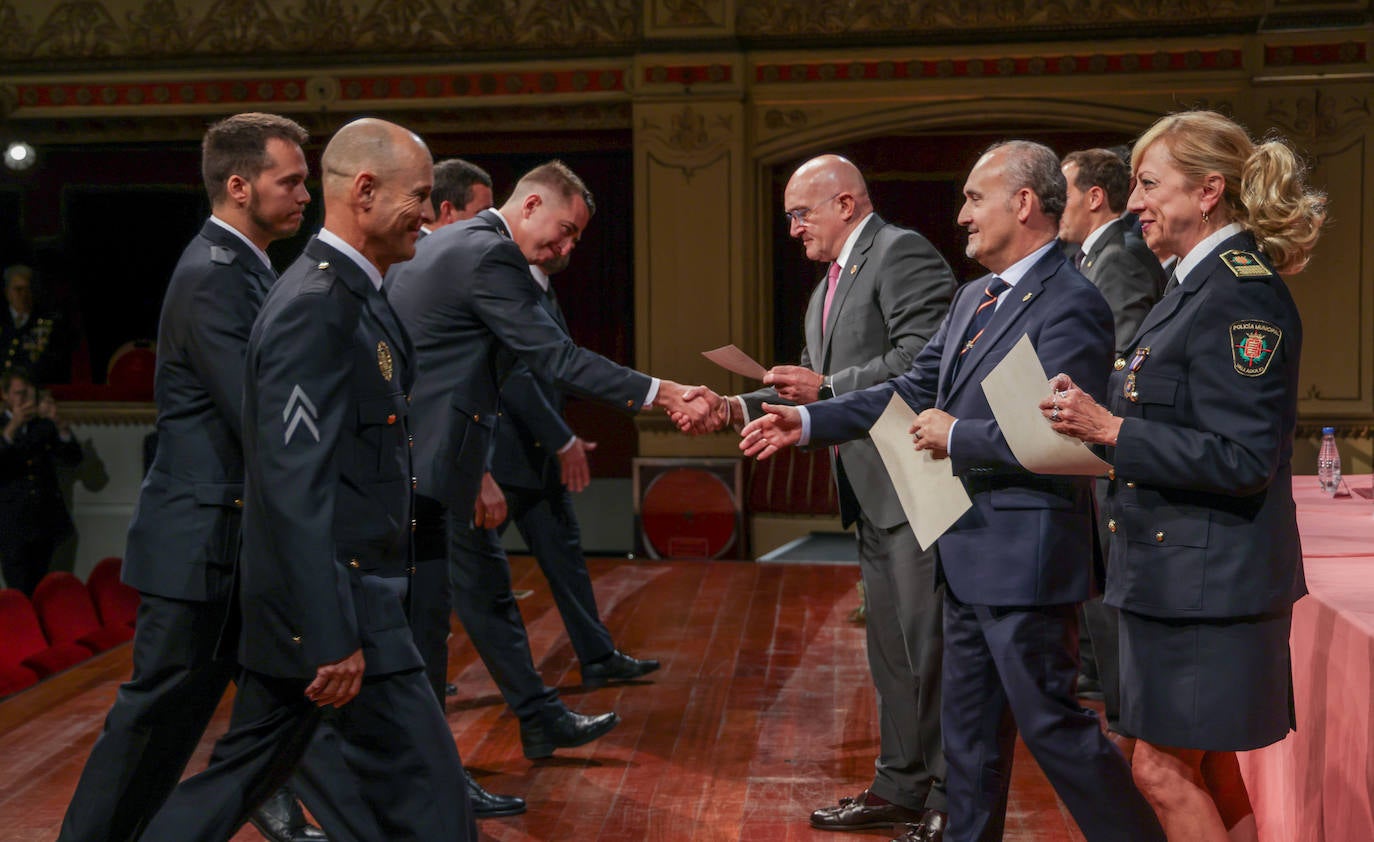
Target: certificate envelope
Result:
[1014, 390]
[731, 358]
[931, 495]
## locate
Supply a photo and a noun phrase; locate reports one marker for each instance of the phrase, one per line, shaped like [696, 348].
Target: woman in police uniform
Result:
[1205, 558]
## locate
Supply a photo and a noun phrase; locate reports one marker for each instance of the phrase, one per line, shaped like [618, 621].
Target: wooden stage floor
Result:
[762, 712]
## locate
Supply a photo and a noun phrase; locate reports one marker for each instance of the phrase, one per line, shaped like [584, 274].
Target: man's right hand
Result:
[780, 427]
[337, 683]
[19, 416]
[576, 473]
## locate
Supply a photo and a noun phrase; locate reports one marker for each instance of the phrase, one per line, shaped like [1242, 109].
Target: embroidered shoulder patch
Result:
[1253, 344]
[1245, 264]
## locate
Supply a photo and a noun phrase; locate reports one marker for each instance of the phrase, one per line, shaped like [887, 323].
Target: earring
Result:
[1204, 216]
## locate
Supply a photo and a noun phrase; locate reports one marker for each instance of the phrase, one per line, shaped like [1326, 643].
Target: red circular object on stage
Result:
[688, 513]
[132, 367]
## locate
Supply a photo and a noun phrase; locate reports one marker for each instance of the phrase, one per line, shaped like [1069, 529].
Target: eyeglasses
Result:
[802, 216]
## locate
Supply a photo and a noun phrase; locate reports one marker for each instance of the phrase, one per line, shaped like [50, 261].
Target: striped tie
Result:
[986, 308]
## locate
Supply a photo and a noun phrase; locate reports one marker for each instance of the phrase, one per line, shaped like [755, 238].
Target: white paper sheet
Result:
[1014, 390]
[731, 358]
[932, 497]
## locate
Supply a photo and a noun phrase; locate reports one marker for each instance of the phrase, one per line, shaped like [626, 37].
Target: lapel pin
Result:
[854, 268]
[1027, 297]
[324, 264]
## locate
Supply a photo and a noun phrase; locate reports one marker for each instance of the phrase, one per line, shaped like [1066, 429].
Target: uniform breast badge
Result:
[1253, 344]
[384, 360]
[1128, 389]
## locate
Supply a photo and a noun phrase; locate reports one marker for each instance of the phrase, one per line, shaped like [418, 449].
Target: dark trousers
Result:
[25, 556]
[158, 718]
[905, 643]
[1015, 668]
[392, 737]
[1103, 626]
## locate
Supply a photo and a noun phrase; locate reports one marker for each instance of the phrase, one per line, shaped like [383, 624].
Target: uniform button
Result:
[1111, 473]
[1130, 485]
[1119, 364]
[407, 400]
[238, 502]
[413, 483]
[1159, 537]
[296, 639]
[411, 570]
[413, 524]
[539, 444]
[353, 562]
[1111, 525]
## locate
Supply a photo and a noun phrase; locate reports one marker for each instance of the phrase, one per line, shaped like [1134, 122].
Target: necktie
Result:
[832, 280]
[1078, 259]
[986, 308]
[1171, 284]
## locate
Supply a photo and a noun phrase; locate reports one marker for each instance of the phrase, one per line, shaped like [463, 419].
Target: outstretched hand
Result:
[779, 427]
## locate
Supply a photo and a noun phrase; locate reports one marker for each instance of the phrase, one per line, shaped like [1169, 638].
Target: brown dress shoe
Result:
[857, 814]
[931, 828]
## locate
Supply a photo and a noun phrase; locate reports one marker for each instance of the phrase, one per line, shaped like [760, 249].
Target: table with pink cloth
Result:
[1317, 784]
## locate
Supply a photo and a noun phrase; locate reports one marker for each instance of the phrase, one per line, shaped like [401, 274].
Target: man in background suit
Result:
[536, 461]
[327, 557]
[184, 538]
[1130, 277]
[33, 513]
[886, 291]
[1020, 560]
[470, 306]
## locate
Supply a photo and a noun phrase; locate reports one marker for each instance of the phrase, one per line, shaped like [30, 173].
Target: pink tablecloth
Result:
[1316, 785]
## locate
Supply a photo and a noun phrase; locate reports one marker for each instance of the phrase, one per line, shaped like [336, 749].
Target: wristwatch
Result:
[826, 390]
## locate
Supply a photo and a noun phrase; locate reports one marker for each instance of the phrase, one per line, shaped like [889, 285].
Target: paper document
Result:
[1014, 390]
[931, 495]
[731, 358]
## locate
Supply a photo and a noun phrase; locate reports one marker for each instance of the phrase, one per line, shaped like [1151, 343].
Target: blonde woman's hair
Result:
[1266, 185]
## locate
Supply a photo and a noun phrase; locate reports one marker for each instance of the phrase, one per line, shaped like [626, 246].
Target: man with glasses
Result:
[885, 293]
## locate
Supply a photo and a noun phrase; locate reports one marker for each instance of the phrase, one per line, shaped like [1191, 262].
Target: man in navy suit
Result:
[1017, 564]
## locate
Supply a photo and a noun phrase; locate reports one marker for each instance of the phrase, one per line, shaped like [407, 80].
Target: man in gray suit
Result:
[472, 310]
[184, 538]
[1131, 279]
[886, 291]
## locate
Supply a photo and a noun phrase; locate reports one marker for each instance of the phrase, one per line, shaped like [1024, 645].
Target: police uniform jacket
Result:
[187, 516]
[38, 347]
[1201, 506]
[470, 305]
[29, 494]
[328, 488]
[1028, 539]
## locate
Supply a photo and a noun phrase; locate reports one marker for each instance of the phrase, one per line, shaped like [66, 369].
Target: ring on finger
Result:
[1054, 416]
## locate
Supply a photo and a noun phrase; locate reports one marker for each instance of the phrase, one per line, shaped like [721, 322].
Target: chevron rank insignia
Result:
[299, 414]
[384, 360]
[1253, 344]
[1244, 264]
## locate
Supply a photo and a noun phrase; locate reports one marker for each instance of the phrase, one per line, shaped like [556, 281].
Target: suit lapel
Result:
[849, 275]
[1018, 300]
[1109, 236]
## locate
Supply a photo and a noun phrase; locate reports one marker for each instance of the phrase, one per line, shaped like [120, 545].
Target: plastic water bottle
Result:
[1329, 462]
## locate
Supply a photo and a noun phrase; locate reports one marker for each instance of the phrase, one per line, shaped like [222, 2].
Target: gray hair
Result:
[1034, 166]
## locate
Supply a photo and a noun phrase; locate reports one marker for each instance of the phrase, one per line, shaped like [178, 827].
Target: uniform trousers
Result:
[392, 737]
[25, 556]
[905, 642]
[1010, 668]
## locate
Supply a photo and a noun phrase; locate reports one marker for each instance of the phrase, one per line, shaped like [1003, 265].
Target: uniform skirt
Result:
[1217, 685]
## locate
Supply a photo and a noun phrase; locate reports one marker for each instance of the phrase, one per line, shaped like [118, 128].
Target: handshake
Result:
[697, 409]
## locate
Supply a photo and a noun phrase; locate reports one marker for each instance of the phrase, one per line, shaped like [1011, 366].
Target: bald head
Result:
[377, 181]
[825, 200]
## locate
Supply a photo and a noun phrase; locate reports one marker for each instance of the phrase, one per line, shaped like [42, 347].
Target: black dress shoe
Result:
[486, 805]
[931, 828]
[281, 819]
[450, 689]
[542, 735]
[616, 666]
[857, 814]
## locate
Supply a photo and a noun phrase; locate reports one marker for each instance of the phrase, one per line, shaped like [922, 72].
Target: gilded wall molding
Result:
[687, 139]
[1318, 116]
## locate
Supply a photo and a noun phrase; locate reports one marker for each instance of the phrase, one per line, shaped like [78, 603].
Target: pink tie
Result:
[832, 280]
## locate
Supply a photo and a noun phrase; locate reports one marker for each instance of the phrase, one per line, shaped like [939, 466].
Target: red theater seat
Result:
[23, 649]
[795, 482]
[115, 602]
[65, 609]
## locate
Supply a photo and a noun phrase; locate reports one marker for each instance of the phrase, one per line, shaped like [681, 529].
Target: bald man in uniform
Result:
[324, 575]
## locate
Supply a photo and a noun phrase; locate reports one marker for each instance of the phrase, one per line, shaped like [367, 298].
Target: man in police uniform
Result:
[33, 514]
[184, 538]
[28, 341]
[327, 554]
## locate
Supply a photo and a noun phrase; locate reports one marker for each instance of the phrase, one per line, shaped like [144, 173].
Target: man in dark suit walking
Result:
[327, 557]
[184, 538]
[470, 306]
[1017, 564]
[886, 291]
[33, 513]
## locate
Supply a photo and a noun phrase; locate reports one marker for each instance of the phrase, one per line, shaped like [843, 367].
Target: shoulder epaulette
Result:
[221, 255]
[1245, 264]
[318, 279]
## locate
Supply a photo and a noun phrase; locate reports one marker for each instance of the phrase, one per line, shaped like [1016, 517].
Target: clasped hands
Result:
[704, 411]
[1073, 412]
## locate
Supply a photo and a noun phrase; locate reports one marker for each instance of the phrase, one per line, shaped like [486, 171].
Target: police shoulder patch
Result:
[220, 254]
[1253, 345]
[1245, 264]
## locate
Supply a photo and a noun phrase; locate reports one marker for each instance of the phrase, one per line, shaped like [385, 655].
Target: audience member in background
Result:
[29, 341]
[33, 515]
